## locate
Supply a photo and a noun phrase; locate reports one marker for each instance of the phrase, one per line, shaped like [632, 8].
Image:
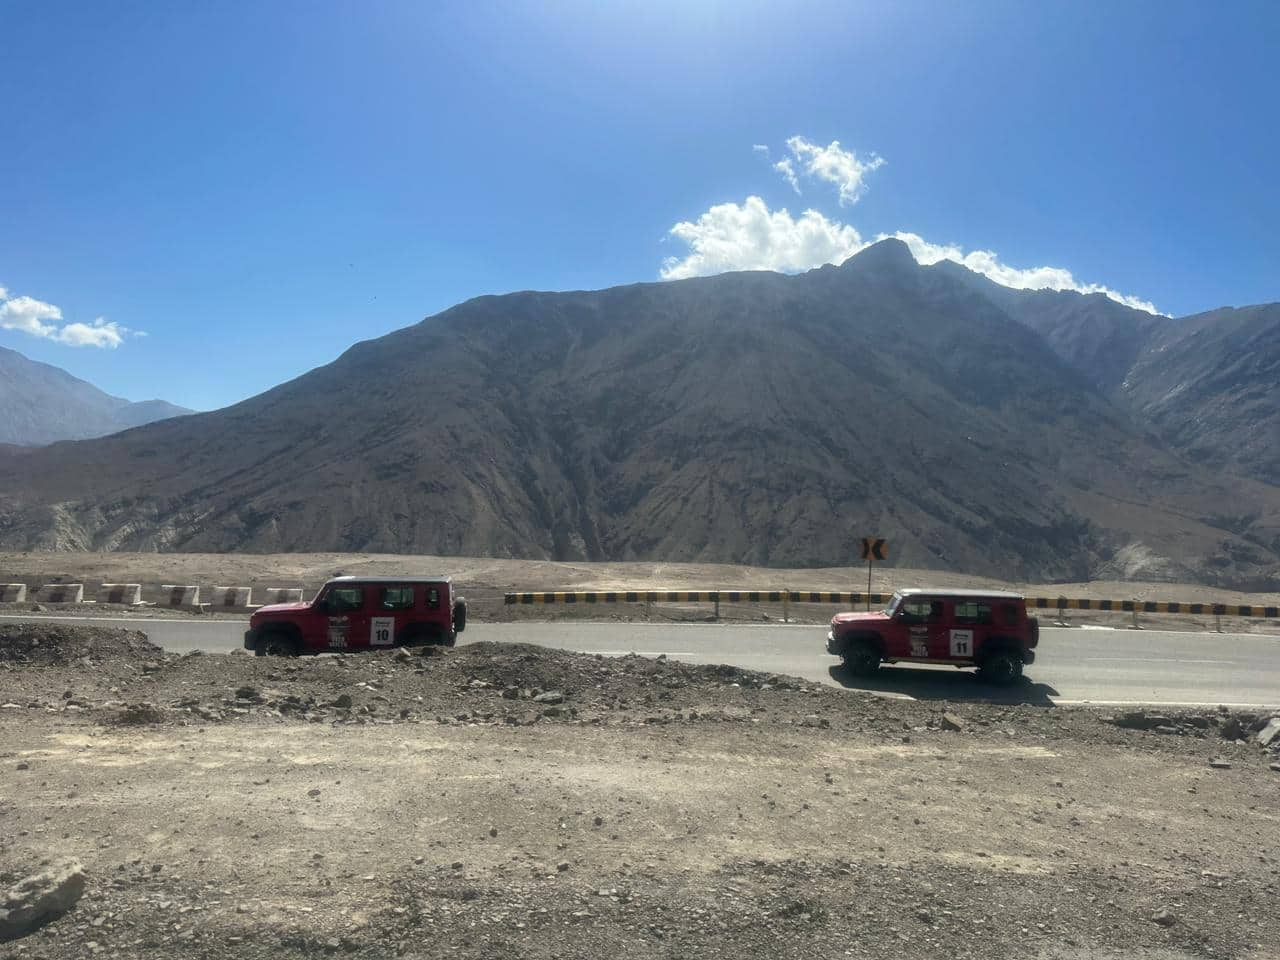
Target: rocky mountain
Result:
[746, 417]
[40, 403]
[1209, 384]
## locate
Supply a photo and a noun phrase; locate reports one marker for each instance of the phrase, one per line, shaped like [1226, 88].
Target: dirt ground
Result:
[484, 581]
[511, 801]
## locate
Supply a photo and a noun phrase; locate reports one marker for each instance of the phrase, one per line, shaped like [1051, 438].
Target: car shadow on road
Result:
[924, 684]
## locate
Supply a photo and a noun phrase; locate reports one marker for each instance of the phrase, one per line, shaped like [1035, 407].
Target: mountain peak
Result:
[887, 254]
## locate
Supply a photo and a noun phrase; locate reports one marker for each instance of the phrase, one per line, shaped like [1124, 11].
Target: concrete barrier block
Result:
[13, 592]
[173, 595]
[130, 593]
[61, 593]
[233, 597]
[268, 595]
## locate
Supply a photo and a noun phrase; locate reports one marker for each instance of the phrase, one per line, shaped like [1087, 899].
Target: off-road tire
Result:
[459, 616]
[862, 658]
[1000, 668]
[276, 643]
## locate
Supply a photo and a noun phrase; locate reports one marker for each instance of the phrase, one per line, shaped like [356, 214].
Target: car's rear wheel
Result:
[277, 643]
[862, 658]
[1001, 668]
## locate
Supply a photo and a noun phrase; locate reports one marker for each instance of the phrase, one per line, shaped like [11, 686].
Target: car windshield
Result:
[894, 602]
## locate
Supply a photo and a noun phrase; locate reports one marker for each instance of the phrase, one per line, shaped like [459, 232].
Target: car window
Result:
[395, 598]
[343, 599]
[433, 598]
[916, 610]
[973, 612]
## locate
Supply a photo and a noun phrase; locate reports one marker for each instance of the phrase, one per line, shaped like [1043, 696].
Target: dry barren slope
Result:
[748, 417]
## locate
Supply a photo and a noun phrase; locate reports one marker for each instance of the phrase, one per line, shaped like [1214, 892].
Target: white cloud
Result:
[39, 319]
[988, 264]
[788, 172]
[29, 316]
[750, 236]
[833, 164]
[100, 333]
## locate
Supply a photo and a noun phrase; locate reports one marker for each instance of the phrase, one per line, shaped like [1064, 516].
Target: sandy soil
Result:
[242, 807]
[484, 581]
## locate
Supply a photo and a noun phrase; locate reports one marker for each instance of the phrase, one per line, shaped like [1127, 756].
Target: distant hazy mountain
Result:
[1209, 384]
[40, 404]
[746, 417]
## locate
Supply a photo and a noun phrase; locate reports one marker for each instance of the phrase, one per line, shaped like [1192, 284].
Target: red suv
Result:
[987, 629]
[360, 613]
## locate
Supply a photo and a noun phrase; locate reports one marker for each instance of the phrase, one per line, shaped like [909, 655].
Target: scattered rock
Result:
[1164, 917]
[343, 701]
[1141, 720]
[551, 696]
[40, 898]
[1270, 732]
[1220, 764]
[1232, 729]
[139, 714]
[951, 721]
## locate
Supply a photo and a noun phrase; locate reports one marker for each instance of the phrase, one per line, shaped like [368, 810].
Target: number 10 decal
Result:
[382, 631]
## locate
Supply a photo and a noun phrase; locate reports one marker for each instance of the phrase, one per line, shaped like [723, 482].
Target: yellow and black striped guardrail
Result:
[1154, 606]
[829, 596]
[694, 596]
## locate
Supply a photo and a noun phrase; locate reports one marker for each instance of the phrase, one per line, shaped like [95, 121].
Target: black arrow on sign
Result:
[874, 549]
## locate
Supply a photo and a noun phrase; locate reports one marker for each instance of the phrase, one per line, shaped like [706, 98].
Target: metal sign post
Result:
[873, 548]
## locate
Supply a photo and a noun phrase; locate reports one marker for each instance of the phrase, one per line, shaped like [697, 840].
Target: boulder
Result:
[1269, 734]
[40, 898]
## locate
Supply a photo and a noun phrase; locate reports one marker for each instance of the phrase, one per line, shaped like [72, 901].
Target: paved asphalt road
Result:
[1073, 665]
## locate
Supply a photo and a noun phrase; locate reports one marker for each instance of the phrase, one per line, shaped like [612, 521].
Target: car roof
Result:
[992, 594]
[390, 579]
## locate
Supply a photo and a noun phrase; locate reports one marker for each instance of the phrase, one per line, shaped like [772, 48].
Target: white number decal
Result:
[962, 643]
[382, 631]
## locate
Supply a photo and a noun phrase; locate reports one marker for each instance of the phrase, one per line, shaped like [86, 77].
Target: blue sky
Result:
[256, 186]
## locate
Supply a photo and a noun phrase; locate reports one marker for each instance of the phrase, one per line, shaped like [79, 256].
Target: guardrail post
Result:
[786, 606]
[717, 607]
[1135, 625]
[1217, 621]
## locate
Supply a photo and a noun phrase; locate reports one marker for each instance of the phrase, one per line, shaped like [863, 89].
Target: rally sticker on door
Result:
[382, 631]
[962, 643]
[919, 641]
[338, 633]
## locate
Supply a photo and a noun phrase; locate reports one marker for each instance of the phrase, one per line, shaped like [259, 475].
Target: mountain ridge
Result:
[748, 417]
[41, 403]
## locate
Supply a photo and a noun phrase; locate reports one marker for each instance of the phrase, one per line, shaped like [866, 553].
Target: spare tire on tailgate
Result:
[459, 616]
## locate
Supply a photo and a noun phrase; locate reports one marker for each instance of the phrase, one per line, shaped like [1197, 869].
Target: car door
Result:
[392, 610]
[922, 619]
[347, 614]
[970, 621]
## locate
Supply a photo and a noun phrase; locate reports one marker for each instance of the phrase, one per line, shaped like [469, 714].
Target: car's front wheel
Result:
[276, 643]
[862, 658]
